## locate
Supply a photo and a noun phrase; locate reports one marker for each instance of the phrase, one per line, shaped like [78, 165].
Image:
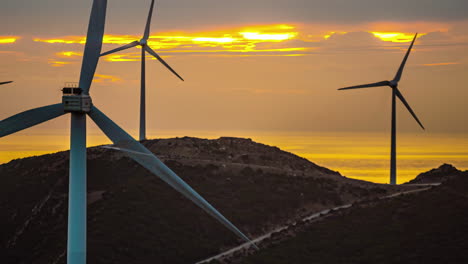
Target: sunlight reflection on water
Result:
[356, 155]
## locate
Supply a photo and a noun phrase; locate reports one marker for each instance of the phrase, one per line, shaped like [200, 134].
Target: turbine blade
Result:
[148, 22]
[93, 44]
[150, 51]
[5, 82]
[30, 118]
[124, 47]
[149, 161]
[400, 96]
[402, 66]
[377, 84]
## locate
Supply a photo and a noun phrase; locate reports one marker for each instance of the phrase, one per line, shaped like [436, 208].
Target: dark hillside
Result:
[425, 227]
[133, 217]
[441, 174]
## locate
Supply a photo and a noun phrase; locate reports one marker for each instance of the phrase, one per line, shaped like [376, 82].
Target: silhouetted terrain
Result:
[441, 174]
[425, 227]
[133, 217]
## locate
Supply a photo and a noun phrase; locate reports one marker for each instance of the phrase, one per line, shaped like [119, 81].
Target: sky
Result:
[252, 65]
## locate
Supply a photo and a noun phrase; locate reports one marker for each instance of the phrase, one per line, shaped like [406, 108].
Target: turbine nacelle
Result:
[74, 100]
[143, 42]
[393, 84]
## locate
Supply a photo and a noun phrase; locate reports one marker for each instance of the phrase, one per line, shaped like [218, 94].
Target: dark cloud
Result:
[50, 16]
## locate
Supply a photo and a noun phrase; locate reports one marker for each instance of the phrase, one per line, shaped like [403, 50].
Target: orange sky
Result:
[280, 76]
[267, 74]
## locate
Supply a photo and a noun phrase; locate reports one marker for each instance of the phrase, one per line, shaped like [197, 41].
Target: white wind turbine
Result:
[395, 93]
[144, 48]
[77, 102]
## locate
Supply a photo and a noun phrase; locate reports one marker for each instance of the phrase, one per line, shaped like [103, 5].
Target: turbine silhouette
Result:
[395, 93]
[5, 82]
[144, 48]
[78, 103]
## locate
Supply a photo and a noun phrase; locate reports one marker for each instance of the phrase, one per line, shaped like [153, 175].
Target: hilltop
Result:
[133, 217]
[441, 174]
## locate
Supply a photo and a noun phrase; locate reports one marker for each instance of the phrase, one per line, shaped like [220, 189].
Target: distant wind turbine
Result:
[78, 103]
[395, 93]
[144, 48]
[5, 82]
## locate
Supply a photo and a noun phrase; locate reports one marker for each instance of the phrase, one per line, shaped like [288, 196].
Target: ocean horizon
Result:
[364, 156]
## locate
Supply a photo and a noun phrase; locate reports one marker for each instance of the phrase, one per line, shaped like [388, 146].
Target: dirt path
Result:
[314, 216]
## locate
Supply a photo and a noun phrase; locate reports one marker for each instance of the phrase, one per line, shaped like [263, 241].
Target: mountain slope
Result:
[424, 227]
[133, 217]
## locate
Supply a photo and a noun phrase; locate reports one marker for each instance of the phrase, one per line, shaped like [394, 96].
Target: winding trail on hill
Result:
[314, 216]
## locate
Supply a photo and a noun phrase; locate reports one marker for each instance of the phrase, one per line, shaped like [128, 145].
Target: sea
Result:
[364, 156]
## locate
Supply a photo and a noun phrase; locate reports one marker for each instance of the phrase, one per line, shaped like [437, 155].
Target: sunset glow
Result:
[270, 37]
[100, 78]
[242, 39]
[55, 63]
[8, 39]
[256, 39]
[255, 66]
[69, 54]
[441, 64]
[396, 36]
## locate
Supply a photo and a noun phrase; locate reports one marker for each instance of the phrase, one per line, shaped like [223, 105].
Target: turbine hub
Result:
[143, 42]
[393, 84]
[74, 100]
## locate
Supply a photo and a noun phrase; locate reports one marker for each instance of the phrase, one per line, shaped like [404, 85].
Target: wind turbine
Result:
[5, 82]
[144, 48]
[77, 102]
[395, 93]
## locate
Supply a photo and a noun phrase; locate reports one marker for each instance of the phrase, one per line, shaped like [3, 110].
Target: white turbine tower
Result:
[395, 93]
[77, 102]
[144, 48]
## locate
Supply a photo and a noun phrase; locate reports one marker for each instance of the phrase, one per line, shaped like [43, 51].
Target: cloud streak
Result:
[441, 64]
[8, 39]
[251, 40]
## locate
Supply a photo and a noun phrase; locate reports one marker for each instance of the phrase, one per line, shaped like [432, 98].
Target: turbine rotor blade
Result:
[149, 161]
[30, 118]
[403, 63]
[400, 96]
[124, 47]
[5, 82]
[370, 85]
[93, 44]
[152, 52]
[148, 22]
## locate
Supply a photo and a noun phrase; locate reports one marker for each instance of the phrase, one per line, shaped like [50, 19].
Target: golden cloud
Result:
[396, 36]
[101, 78]
[243, 39]
[256, 40]
[56, 63]
[8, 39]
[441, 64]
[68, 54]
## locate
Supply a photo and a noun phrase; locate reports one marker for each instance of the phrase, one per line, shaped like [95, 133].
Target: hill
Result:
[424, 227]
[441, 174]
[133, 217]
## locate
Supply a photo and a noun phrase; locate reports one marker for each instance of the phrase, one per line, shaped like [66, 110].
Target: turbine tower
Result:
[1, 83]
[395, 93]
[144, 48]
[77, 101]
